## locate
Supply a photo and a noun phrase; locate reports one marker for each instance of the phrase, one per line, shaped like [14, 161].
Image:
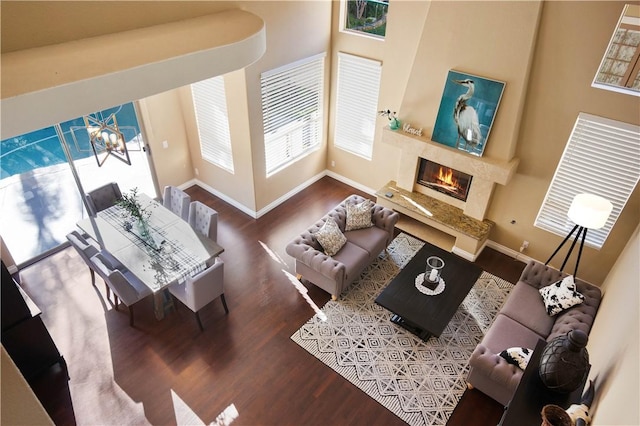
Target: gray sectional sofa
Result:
[334, 273]
[520, 323]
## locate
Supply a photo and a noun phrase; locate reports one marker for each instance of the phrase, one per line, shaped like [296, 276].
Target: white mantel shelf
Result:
[492, 170]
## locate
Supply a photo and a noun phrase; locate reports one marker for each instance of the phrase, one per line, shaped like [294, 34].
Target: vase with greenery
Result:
[133, 209]
[394, 123]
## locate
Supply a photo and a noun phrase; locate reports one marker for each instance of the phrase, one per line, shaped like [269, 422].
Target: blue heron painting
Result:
[467, 110]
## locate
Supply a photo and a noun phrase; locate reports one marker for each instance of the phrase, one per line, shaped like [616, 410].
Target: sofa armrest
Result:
[303, 251]
[493, 375]
[384, 218]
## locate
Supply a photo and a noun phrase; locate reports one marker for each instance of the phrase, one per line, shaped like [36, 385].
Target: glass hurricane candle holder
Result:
[433, 272]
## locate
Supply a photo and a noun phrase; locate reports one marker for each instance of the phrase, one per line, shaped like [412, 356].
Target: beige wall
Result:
[572, 39]
[163, 120]
[424, 41]
[613, 342]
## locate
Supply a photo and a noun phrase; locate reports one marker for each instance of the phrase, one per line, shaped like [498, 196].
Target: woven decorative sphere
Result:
[564, 363]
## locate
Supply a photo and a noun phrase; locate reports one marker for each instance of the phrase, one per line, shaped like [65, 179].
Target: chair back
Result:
[117, 281]
[177, 201]
[203, 219]
[85, 247]
[103, 197]
[205, 286]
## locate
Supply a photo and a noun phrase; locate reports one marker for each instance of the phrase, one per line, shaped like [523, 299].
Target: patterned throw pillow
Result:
[561, 295]
[330, 237]
[517, 356]
[358, 215]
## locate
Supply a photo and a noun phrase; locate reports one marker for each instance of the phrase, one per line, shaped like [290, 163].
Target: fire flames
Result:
[446, 177]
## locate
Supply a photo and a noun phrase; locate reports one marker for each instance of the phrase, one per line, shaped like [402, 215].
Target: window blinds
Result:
[356, 104]
[292, 103]
[210, 103]
[602, 157]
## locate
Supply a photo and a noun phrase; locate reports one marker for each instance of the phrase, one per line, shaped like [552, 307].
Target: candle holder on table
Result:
[432, 274]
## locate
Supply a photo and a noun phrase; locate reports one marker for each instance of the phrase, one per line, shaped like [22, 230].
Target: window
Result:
[620, 67]
[292, 102]
[356, 104]
[602, 157]
[366, 16]
[210, 103]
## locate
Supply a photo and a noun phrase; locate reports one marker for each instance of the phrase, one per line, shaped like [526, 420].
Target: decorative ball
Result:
[564, 363]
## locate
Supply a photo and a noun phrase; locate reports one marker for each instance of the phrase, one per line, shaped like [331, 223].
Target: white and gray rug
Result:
[420, 382]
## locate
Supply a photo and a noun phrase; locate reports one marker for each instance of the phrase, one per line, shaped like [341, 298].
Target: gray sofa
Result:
[334, 273]
[520, 323]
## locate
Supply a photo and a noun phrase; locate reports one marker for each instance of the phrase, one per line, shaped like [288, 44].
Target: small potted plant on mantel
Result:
[394, 123]
[132, 207]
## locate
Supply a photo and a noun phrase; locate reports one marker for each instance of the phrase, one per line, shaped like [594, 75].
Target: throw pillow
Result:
[358, 215]
[330, 237]
[517, 356]
[561, 295]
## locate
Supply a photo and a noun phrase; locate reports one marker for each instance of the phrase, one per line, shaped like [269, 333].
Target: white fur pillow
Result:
[517, 356]
[561, 295]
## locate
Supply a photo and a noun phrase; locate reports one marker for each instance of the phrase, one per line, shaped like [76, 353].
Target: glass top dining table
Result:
[174, 253]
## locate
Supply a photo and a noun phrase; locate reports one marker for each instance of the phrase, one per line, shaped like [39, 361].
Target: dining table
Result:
[168, 252]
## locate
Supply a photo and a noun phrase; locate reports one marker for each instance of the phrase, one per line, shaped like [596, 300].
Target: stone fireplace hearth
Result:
[485, 172]
[460, 218]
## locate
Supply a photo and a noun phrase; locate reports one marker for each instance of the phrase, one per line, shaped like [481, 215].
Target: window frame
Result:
[597, 148]
[294, 138]
[212, 122]
[344, 14]
[354, 115]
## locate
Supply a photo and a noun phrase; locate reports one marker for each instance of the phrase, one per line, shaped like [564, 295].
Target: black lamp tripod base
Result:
[581, 231]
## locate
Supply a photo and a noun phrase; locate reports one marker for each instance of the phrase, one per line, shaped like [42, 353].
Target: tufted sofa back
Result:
[578, 317]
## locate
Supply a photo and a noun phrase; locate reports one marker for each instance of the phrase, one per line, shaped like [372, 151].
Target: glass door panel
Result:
[39, 199]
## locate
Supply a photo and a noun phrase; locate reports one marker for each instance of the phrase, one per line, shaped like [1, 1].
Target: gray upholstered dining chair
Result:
[103, 197]
[203, 219]
[125, 286]
[201, 289]
[176, 200]
[86, 247]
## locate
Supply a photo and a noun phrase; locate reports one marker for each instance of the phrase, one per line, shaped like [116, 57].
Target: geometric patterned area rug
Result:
[421, 382]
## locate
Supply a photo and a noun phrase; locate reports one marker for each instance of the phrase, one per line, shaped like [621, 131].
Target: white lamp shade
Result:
[590, 211]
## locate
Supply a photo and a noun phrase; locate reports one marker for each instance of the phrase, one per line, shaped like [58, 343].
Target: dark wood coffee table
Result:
[419, 313]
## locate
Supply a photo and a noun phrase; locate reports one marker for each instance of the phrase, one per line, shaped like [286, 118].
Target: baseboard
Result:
[290, 194]
[350, 182]
[510, 252]
[244, 209]
[257, 214]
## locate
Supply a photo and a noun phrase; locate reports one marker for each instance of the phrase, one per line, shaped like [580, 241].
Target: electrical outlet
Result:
[333, 163]
[525, 245]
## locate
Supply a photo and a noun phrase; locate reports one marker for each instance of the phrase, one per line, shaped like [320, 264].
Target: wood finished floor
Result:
[168, 372]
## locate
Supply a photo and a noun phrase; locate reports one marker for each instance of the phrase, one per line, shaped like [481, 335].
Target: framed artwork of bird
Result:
[467, 109]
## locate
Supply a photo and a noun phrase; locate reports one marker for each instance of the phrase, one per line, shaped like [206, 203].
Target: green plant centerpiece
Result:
[394, 123]
[133, 209]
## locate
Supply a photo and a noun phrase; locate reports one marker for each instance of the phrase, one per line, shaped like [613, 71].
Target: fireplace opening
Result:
[444, 179]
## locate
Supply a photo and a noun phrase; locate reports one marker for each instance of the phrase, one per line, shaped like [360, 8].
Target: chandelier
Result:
[106, 138]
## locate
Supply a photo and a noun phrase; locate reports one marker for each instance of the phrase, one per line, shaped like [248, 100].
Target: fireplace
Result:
[444, 179]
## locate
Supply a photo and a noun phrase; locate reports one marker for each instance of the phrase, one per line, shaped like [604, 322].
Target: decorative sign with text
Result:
[411, 130]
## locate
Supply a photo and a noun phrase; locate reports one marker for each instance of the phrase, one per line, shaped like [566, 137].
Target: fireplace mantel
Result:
[486, 171]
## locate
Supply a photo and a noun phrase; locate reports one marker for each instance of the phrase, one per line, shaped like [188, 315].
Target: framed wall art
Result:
[467, 109]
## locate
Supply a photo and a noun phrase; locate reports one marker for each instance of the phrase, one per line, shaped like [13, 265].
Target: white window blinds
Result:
[356, 104]
[602, 158]
[292, 103]
[210, 103]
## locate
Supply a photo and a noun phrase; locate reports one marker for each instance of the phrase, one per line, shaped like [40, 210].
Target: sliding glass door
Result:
[39, 199]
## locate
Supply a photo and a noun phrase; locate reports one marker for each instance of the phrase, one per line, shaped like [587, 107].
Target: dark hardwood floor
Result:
[168, 372]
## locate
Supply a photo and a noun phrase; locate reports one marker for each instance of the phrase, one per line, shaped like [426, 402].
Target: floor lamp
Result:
[587, 211]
